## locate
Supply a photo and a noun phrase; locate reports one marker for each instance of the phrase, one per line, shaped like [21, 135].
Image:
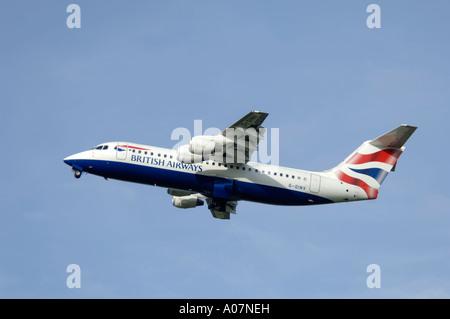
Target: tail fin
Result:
[369, 164]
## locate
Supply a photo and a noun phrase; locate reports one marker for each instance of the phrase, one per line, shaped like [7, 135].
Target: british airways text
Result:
[164, 163]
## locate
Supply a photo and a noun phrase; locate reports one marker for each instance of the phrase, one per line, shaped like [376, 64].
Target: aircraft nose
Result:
[77, 158]
[69, 160]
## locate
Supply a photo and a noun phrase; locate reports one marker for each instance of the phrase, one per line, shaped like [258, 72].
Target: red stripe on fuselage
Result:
[388, 156]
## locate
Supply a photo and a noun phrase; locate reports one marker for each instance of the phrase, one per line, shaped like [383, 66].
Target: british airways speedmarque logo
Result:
[122, 148]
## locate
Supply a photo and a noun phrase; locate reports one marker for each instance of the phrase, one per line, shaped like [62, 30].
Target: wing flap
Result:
[220, 215]
[221, 209]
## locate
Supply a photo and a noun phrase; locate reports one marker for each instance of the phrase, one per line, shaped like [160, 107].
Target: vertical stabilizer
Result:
[369, 164]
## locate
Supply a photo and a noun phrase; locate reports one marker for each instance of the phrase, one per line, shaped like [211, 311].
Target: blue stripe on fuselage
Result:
[197, 182]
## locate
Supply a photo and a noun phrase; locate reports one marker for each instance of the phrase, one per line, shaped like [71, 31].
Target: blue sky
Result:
[134, 72]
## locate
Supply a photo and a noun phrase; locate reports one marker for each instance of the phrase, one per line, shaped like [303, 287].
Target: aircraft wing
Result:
[221, 210]
[242, 137]
[186, 199]
[253, 119]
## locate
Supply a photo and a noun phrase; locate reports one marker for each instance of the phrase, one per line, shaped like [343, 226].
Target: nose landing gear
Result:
[76, 173]
[77, 170]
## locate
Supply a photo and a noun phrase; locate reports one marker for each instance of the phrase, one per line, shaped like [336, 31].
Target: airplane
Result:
[218, 169]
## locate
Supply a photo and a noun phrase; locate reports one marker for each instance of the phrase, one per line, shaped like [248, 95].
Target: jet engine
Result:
[185, 156]
[200, 148]
[189, 201]
[201, 145]
[178, 192]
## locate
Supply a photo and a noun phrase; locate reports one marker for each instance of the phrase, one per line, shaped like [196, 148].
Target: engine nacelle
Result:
[189, 201]
[202, 145]
[184, 156]
[178, 192]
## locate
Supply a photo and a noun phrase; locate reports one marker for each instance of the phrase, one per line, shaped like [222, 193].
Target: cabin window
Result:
[139, 151]
[171, 156]
[268, 172]
[237, 167]
[281, 174]
[287, 175]
[231, 166]
[275, 173]
[165, 155]
[249, 169]
[220, 164]
[243, 168]
[262, 172]
[293, 176]
[159, 154]
[145, 152]
[134, 151]
[256, 171]
[213, 163]
[225, 165]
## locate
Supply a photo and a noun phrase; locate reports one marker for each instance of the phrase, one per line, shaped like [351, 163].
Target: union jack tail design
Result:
[368, 166]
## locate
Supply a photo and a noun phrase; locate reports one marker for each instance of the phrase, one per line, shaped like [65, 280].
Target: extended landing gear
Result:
[76, 173]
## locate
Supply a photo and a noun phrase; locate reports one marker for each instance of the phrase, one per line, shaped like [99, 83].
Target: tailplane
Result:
[369, 164]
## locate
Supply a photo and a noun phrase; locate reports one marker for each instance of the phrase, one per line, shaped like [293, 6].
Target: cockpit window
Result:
[100, 147]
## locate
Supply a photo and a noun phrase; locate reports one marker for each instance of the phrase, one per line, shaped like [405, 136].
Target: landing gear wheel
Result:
[77, 174]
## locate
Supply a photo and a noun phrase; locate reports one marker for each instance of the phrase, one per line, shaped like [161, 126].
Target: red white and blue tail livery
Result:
[200, 172]
[368, 166]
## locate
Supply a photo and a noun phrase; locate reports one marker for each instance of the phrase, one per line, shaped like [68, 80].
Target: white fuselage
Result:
[251, 181]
